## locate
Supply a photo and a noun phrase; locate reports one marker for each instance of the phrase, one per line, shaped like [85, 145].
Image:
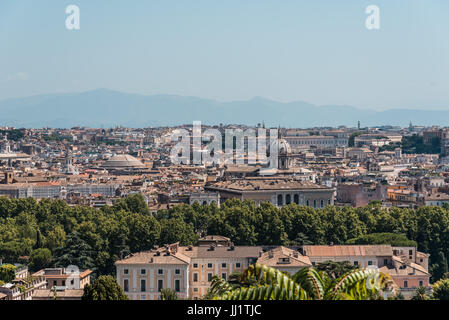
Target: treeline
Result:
[415, 145]
[51, 233]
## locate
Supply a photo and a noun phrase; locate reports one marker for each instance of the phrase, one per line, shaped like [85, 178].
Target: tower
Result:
[284, 155]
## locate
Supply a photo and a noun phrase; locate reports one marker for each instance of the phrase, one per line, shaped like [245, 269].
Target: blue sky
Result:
[316, 51]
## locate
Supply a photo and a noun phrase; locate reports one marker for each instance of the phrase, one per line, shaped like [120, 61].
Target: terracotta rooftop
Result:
[347, 250]
[254, 184]
[282, 256]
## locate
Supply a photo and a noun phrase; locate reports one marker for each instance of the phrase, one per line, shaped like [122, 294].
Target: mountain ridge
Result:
[107, 108]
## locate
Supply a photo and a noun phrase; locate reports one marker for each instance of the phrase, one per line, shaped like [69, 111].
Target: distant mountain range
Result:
[107, 108]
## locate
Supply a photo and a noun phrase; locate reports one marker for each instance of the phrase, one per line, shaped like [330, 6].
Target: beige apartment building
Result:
[143, 275]
[407, 266]
[63, 278]
[188, 270]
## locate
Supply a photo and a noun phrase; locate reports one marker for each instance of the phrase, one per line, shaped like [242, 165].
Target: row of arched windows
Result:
[288, 199]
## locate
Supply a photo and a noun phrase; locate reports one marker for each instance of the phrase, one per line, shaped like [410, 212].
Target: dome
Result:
[281, 145]
[122, 161]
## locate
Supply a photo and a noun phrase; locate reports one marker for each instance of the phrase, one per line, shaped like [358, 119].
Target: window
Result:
[314, 203]
[421, 260]
[195, 277]
[322, 203]
[177, 271]
[143, 285]
[143, 297]
[126, 285]
[195, 265]
[356, 263]
[421, 283]
[126, 271]
[385, 262]
[410, 252]
[209, 277]
[296, 199]
[237, 265]
[63, 282]
[55, 283]
[160, 271]
[209, 265]
[370, 263]
[143, 271]
[223, 275]
[160, 285]
[177, 285]
[195, 289]
[405, 284]
[288, 199]
[280, 200]
[223, 265]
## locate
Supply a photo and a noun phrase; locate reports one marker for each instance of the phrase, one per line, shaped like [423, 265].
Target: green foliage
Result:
[7, 272]
[397, 240]
[104, 288]
[420, 294]
[169, 294]
[14, 134]
[76, 251]
[441, 289]
[89, 237]
[353, 136]
[415, 144]
[308, 284]
[335, 269]
[40, 258]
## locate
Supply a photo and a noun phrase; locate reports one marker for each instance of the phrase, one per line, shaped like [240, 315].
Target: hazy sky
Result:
[317, 51]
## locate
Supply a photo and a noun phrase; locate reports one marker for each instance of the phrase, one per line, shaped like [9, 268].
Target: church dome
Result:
[281, 145]
[122, 161]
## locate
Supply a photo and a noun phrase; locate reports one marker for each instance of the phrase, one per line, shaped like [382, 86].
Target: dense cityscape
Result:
[83, 205]
[223, 159]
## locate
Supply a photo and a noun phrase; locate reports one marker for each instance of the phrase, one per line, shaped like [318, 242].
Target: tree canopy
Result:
[95, 238]
[104, 288]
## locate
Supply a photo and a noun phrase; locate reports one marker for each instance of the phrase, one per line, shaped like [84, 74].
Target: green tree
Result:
[335, 269]
[440, 266]
[55, 238]
[169, 294]
[174, 230]
[104, 288]
[394, 239]
[39, 242]
[307, 284]
[40, 258]
[12, 250]
[76, 252]
[441, 289]
[420, 294]
[7, 272]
